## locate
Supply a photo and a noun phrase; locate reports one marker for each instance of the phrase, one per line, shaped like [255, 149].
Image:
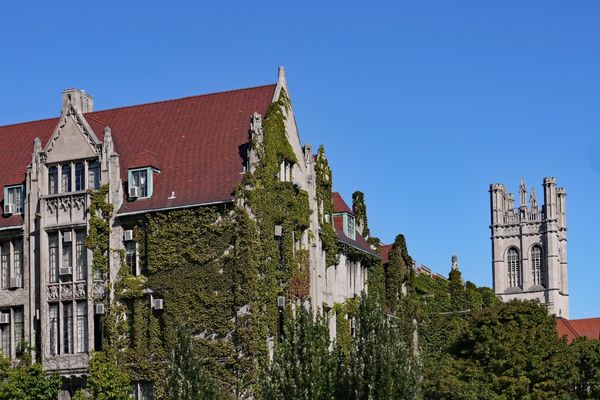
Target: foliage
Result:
[186, 378]
[303, 366]
[585, 356]
[27, 381]
[106, 380]
[324, 184]
[99, 228]
[380, 364]
[398, 272]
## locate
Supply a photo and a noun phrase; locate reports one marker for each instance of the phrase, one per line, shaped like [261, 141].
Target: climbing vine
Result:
[98, 239]
[324, 183]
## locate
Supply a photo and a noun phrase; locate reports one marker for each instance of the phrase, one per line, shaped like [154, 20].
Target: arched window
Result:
[536, 265]
[66, 178]
[514, 268]
[79, 176]
[53, 180]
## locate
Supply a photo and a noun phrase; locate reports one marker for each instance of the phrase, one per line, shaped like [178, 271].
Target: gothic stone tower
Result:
[529, 246]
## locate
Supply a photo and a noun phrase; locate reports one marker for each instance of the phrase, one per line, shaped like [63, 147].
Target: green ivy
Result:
[324, 184]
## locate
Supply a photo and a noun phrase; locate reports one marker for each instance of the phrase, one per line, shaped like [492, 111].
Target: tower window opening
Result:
[536, 265]
[514, 269]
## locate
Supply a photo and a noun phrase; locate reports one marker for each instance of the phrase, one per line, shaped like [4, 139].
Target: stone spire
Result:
[523, 202]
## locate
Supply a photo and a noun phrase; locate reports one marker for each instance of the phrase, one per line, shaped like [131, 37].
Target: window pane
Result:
[140, 179]
[4, 264]
[131, 256]
[53, 328]
[81, 256]
[82, 329]
[93, 175]
[68, 327]
[18, 260]
[5, 338]
[53, 257]
[53, 180]
[14, 196]
[66, 178]
[19, 330]
[79, 176]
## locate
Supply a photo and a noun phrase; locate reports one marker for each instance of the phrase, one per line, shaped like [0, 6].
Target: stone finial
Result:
[523, 190]
[533, 199]
[281, 73]
[454, 263]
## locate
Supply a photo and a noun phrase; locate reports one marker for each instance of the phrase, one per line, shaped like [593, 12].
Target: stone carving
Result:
[53, 292]
[52, 205]
[99, 289]
[80, 290]
[532, 198]
[78, 201]
[65, 203]
[66, 291]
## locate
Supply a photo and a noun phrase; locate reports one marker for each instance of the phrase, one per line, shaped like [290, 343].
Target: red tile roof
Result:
[384, 251]
[198, 143]
[339, 205]
[574, 328]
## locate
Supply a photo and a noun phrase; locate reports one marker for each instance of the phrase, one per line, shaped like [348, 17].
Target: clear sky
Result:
[421, 105]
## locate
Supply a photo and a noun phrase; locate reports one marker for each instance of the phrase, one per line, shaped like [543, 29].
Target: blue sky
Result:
[421, 105]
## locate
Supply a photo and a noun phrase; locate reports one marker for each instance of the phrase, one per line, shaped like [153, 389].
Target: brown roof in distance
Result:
[198, 143]
[359, 242]
[574, 328]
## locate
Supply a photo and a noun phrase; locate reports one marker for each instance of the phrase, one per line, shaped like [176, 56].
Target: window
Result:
[4, 264]
[53, 180]
[349, 226]
[67, 254]
[80, 255]
[53, 257]
[19, 330]
[5, 337]
[14, 195]
[18, 262]
[53, 328]
[68, 327]
[142, 179]
[93, 174]
[65, 181]
[131, 256]
[514, 268]
[79, 176]
[82, 328]
[536, 265]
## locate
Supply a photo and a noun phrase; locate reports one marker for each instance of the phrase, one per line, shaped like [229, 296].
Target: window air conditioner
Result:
[66, 270]
[128, 235]
[158, 304]
[280, 301]
[16, 282]
[99, 308]
[67, 237]
[4, 318]
[9, 209]
[134, 192]
[278, 230]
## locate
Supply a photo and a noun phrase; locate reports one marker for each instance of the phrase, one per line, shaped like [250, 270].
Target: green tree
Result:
[28, 381]
[586, 361]
[303, 366]
[186, 378]
[381, 364]
[106, 379]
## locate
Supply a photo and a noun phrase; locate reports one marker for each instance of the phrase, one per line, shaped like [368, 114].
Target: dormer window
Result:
[349, 226]
[140, 183]
[13, 199]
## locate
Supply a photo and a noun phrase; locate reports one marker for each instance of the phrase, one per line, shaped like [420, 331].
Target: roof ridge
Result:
[179, 98]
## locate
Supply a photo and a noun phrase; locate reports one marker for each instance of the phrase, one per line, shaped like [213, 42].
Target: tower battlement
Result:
[529, 254]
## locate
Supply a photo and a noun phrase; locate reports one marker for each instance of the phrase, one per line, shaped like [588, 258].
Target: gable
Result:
[72, 139]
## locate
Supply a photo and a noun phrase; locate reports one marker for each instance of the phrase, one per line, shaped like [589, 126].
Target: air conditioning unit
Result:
[4, 318]
[9, 209]
[16, 282]
[280, 301]
[134, 192]
[158, 304]
[99, 308]
[327, 218]
[67, 236]
[278, 230]
[127, 235]
[66, 270]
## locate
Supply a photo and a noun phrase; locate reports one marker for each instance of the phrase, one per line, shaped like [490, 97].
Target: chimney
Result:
[82, 101]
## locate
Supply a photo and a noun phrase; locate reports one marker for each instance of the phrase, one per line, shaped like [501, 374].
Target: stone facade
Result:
[529, 246]
[49, 294]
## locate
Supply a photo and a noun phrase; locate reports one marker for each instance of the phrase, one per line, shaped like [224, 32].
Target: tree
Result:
[303, 366]
[186, 378]
[586, 360]
[28, 381]
[107, 380]
[381, 364]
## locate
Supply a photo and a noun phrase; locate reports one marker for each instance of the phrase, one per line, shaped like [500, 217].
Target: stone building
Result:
[157, 157]
[529, 246]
